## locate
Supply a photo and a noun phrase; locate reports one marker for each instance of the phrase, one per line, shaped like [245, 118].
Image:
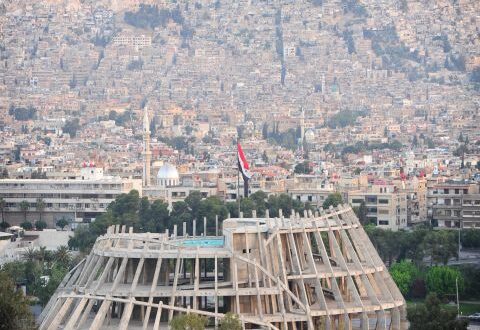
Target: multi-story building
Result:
[417, 201]
[311, 189]
[386, 205]
[454, 204]
[77, 200]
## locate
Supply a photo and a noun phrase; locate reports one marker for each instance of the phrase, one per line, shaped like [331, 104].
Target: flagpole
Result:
[238, 180]
[238, 191]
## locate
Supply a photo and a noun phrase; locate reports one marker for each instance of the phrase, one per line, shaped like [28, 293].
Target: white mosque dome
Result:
[309, 136]
[168, 176]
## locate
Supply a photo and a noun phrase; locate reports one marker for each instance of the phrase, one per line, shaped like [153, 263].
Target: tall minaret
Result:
[302, 124]
[147, 154]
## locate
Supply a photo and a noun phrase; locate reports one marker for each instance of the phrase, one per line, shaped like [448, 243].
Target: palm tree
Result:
[44, 255]
[40, 206]
[62, 255]
[30, 254]
[24, 206]
[3, 204]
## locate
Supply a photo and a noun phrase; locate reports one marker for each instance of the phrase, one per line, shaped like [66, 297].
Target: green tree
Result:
[230, 322]
[189, 321]
[431, 316]
[14, 307]
[62, 223]
[40, 225]
[154, 217]
[440, 246]
[470, 238]
[62, 256]
[71, 127]
[27, 225]
[332, 200]
[260, 199]
[361, 213]
[211, 207]
[193, 201]
[441, 280]
[15, 271]
[83, 239]
[3, 205]
[44, 291]
[471, 274]
[247, 206]
[24, 206]
[29, 254]
[303, 168]
[404, 274]
[44, 255]
[40, 206]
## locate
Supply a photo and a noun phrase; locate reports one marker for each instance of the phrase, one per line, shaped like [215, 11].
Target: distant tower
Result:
[302, 129]
[323, 84]
[147, 154]
[302, 123]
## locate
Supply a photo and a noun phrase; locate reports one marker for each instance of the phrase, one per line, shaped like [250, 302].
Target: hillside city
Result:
[369, 103]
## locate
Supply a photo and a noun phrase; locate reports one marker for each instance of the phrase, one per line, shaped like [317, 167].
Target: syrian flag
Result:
[242, 163]
[243, 168]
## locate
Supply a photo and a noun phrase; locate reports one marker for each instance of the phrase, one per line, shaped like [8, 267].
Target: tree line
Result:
[145, 216]
[150, 17]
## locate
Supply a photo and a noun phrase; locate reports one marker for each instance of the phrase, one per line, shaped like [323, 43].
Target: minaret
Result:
[147, 154]
[302, 124]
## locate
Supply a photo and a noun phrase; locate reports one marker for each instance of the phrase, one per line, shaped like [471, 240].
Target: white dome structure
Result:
[309, 136]
[168, 176]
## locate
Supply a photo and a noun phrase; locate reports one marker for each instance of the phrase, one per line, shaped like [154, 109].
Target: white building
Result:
[386, 205]
[78, 200]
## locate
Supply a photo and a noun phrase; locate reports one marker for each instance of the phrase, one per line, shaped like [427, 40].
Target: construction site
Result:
[309, 271]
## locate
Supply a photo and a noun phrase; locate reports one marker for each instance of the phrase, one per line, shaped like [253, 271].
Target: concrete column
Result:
[204, 226]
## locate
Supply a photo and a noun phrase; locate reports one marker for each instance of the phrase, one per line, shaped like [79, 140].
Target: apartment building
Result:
[454, 204]
[386, 205]
[416, 201]
[78, 200]
[136, 41]
[312, 189]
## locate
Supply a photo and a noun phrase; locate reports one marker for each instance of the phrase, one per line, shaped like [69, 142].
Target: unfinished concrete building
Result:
[312, 272]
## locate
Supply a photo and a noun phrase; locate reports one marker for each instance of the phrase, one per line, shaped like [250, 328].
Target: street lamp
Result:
[458, 302]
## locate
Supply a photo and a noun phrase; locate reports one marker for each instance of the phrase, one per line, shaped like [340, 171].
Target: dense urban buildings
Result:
[131, 112]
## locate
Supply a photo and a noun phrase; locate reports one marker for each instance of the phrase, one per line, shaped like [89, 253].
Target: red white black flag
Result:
[242, 163]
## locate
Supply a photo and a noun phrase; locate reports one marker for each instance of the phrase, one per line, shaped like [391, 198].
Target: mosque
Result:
[167, 185]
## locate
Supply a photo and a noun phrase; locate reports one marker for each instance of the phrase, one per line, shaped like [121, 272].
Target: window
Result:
[383, 222]
[357, 200]
[371, 199]
[310, 198]
[445, 191]
[457, 191]
[383, 201]
[383, 212]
